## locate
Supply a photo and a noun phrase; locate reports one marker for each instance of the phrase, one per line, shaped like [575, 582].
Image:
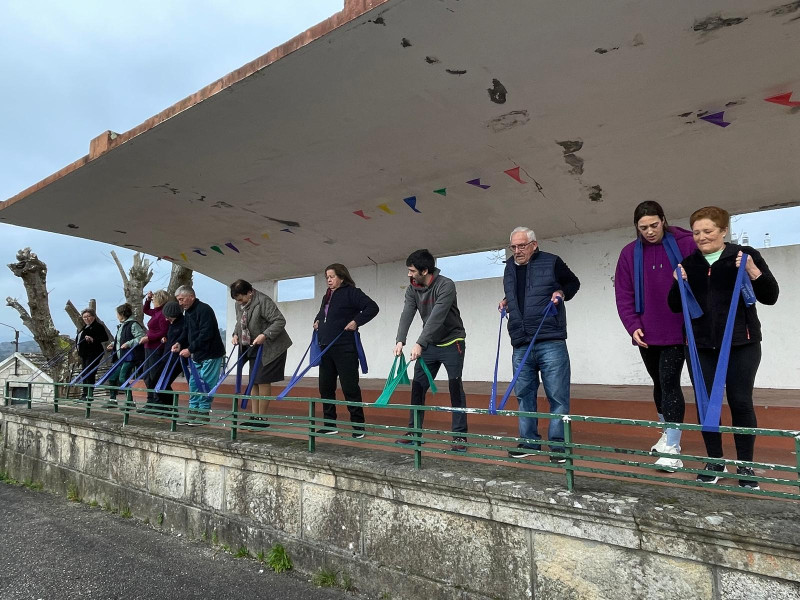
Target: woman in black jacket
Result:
[711, 274]
[89, 343]
[344, 308]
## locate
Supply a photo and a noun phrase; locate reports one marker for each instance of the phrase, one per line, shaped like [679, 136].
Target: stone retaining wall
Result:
[453, 530]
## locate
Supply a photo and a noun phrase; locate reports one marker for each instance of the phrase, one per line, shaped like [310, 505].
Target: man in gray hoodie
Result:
[441, 341]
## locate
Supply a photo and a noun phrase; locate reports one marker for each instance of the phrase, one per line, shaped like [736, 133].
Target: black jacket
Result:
[95, 348]
[348, 303]
[201, 332]
[713, 286]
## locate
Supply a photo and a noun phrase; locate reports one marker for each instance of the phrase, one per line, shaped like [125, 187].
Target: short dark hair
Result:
[125, 310]
[341, 272]
[421, 260]
[89, 311]
[719, 216]
[648, 208]
[240, 287]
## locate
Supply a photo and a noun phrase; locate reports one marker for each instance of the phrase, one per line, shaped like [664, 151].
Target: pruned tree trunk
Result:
[134, 282]
[38, 321]
[74, 315]
[180, 276]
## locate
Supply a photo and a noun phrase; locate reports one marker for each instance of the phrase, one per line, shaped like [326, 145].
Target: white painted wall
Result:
[600, 348]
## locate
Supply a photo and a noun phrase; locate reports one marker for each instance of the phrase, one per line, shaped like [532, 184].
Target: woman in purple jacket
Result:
[641, 283]
[153, 346]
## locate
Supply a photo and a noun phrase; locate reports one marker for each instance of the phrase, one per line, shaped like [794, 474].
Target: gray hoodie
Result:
[438, 307]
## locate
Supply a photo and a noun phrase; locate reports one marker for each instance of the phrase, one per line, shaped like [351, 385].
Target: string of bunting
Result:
[717, 118]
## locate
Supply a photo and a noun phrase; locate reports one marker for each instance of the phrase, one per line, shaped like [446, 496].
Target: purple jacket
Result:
[157, 326]
[660, 325]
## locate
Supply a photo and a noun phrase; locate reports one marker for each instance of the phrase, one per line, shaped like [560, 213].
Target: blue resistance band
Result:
[549, 310]
[673, 254]
[313, 360]
[58, 357]
[710, 406]
[493, 396]
[201, 384]
[162, 379]
[238, 365]
[114, 366]
[134, 377]
[90, 368]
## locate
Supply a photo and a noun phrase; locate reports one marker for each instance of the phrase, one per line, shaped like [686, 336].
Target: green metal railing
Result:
[778, 480]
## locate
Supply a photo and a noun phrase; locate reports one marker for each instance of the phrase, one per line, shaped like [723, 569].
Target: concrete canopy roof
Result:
[597, 103]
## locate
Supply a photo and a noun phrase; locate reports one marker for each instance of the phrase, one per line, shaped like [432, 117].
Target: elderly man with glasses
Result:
[532, 280]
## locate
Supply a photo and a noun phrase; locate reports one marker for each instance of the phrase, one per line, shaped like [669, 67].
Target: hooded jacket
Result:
[437, 306]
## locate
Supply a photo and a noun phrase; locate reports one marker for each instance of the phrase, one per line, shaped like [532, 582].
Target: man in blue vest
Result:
[532, 280]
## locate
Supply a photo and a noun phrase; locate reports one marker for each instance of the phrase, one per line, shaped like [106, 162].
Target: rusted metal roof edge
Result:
[110, 140]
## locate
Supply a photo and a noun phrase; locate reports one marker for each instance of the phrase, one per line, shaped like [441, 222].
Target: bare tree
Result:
[180, 276]
[134, 282]
[39, 321]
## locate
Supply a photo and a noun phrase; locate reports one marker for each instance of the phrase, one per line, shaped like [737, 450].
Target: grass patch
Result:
[226, 548]
[204, 536]
[6, 478]
[73, 495]
[160, 519]
[325, 577]
[94, 504]
[242, 552]
[107, 506]
[126, 513]
[33, 485]
[347, 583]
[214, 537]
[277, 559]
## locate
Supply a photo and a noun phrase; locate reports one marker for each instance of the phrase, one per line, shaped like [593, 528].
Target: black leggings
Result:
[739, 382]
[664, 364]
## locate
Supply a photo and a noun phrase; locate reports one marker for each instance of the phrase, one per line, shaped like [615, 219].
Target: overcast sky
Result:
[72, 70]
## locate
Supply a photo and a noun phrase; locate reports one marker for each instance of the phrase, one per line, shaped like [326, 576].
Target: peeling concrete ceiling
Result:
[404, 127]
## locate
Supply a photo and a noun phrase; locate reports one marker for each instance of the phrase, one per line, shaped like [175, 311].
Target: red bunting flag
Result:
[251, 241]
[783, 100]
[361, 214]
[514, 174]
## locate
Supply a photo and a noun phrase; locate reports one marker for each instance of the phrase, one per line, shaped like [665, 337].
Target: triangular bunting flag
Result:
[783, 100]
[217, 249]
[385, 208]
[412, 203]
[716, 119]
[477, 183]
[514, 174]
[231, 246]
[361, 214]
[200, 252]
[287, 230]
[183, 256]
[251, 241]
[441, 192]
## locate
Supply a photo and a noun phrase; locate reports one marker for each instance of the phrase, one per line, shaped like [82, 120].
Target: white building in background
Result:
[27, 380]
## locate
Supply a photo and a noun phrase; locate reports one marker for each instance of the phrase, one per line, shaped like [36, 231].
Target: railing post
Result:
[312, 439]
[234, 417]
[568, 452]
[30, 396]
[417, 441]
[173, 422]
[7, 393]
[55, 397]
[797, 455]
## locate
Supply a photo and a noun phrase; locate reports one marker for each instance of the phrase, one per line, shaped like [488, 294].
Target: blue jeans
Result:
[551, 359]
[209, 371]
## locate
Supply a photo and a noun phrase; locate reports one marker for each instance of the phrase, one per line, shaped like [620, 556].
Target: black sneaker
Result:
[521, 452]
[459, 444]
[712, 478]
[328, 431]
[558, 459]
[749, 484]
[358, 434]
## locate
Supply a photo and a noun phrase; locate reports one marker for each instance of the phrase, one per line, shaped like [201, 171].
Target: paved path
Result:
[54, 549]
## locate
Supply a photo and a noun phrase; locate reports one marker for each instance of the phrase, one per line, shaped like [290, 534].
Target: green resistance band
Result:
[397, 375]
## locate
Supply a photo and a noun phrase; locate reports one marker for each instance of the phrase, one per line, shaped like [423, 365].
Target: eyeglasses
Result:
[515, 247]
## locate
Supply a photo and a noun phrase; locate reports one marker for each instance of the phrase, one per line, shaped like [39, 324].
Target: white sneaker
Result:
[670, 464]
[661, 444]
